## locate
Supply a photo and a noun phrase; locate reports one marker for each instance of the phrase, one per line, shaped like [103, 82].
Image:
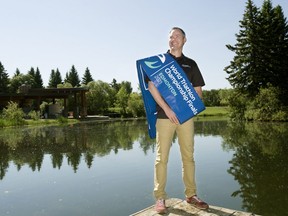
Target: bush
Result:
[35, 115]
[62, 120]
[14, 114]
[266, 106]
[237, 105]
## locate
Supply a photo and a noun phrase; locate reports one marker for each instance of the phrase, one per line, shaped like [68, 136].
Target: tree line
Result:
[258, 74]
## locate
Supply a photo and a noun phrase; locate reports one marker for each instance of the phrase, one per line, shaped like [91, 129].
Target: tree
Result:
[20, 80]
[261, 50]
[72, 77]
[115, 85]
[58, 78]
[38, 79]
[211, 98]
[51, 83]
[38, 82]
[87, 77]
[98, 97]
[31, 72]
[243, 70]
[136, 105]
[17, 72]
[123, 95]
[4, 79]
[55, 79]
[275, 49]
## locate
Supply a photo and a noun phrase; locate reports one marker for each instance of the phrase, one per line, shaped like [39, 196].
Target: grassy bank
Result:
[215, 111]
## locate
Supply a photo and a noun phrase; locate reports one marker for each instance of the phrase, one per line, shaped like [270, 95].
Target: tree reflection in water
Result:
[259, 164]
[27, 146]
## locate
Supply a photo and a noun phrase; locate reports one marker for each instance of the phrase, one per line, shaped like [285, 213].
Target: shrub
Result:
[14, 114]
[35, 115]
[62, 120]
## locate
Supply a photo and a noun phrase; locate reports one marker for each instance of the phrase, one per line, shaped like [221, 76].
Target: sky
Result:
[108, 36]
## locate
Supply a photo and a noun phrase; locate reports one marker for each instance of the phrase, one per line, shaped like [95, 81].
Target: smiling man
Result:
[167, 124]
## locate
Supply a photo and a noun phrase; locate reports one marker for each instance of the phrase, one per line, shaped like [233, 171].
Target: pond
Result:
[106, 168]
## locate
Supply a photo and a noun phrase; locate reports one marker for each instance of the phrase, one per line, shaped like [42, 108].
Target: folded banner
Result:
[173, 85]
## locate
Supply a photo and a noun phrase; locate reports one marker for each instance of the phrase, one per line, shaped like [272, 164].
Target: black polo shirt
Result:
[193, 74]
[191, 70]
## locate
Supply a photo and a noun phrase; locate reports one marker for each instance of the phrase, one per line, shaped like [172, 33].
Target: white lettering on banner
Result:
[167, 83]
[177, 79]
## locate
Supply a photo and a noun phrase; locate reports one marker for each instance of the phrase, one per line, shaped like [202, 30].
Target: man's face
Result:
[176, 40]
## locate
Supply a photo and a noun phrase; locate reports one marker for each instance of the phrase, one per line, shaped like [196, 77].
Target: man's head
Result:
[177, 39]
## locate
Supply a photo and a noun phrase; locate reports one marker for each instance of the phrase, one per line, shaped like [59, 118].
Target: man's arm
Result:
[160, 101]
[198, 90]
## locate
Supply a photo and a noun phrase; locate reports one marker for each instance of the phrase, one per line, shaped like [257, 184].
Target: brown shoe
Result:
[160, 206]
[196, 202]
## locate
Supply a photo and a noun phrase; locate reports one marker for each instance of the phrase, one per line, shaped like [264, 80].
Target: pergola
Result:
[39, 95]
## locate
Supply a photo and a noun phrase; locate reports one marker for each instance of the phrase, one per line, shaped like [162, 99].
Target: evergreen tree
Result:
[51, 83]
[72, 77]
[87, 77]
[38, 79]
[17, 72]
[32, 72]
[55, 79]
[116, 86]
[58, 78]
[4, 79]
[243, 70]
[261, 50]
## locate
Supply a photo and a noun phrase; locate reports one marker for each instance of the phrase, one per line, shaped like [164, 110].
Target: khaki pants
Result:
[165, 133]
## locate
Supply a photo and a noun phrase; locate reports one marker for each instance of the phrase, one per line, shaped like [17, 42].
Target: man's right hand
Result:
[171, 115]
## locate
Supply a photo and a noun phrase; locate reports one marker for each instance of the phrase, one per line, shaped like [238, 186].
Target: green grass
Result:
[30, 122]
[215, 111]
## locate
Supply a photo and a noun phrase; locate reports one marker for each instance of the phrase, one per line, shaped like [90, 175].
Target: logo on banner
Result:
[156, 64]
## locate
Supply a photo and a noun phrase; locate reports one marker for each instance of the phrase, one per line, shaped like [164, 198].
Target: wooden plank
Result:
[178, 207]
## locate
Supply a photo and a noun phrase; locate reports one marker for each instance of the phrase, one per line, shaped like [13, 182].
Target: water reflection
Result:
[29, 145]
[259, 163]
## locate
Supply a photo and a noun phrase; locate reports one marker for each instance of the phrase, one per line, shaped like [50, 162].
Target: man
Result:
[167, 124]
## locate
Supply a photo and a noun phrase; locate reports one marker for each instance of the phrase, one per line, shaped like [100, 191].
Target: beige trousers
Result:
[165, 133]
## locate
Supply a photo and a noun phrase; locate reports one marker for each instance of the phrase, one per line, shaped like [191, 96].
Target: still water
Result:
[106, 168]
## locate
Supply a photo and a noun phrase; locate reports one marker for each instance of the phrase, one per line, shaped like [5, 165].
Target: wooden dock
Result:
[178, 207]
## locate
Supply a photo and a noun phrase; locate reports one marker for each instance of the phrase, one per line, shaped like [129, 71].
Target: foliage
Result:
[261, 51]
[55, 79]
[13, 114]
[136, 105]
[99, 97]
[237, 105]
[4, 79]
[38, 82]
[211, 98]
[19, 80]
[38, 79]
[87, 77]
[72, 77]
[216, 97]
[35, 115]
[122, 97]
[266, 106]
[62, 120]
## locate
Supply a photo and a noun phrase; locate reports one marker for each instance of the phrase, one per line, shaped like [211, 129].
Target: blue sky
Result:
[109, 36]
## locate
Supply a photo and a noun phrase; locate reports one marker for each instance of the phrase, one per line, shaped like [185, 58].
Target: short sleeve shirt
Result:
[193, 74]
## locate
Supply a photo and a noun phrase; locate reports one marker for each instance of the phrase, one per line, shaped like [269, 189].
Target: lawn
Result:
[215, 111]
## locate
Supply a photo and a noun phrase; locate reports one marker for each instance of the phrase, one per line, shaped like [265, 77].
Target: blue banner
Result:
[173, 85]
